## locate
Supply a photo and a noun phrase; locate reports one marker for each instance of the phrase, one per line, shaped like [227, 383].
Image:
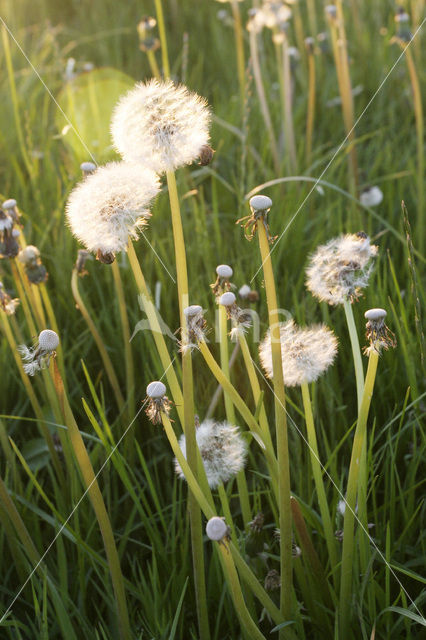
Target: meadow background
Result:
[39, 165]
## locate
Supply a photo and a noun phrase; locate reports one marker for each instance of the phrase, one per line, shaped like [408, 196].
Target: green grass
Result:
[71, 593]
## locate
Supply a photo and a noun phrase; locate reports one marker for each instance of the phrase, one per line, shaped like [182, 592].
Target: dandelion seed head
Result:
[156, 389]
[157, 401]
[192, 310]
[6, 222]
[88, 168]
[260, 203]
[161, 125]
[222, 448]
[371, 197]
[38, 357]
[227, 299]
[244, 291]
[217, 529]
[29, 254]
[306, 352]
[224, 271]
[377, 333]
[9, 204]
[48, 340]
[111, 205]
[340, 269]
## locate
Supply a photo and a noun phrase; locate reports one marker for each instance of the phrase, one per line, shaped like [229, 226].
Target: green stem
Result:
[319, 484]
[351, 495]
[54, 325]
[163, 38]
[285, 519]
[288, 109]
[92, 487]
[239, 46]
[310, 116]
[109, 368]
[356, 351]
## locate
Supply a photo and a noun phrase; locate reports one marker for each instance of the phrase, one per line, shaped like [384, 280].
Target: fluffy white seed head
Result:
[9, 204]
[88, 167]
[244, 291]
[28, 254]
[110, 205]
[192, 310]
[371, 197]
[222, 448]
[306, 353]
[156, 389]
[260, 203]
[161, 125]
[217, 528]
[375, 314]
[341, 268]
[227, 299]
[224, 271]
[48, 340]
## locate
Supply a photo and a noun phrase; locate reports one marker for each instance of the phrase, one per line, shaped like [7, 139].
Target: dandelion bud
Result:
[371, 197]
[38, 357]
[378, 334]
[195, 328]
[217, 529]
[222, 448]
[88, 168]
[227, 299]
[7, 303]
[157, 401]
[34, 269]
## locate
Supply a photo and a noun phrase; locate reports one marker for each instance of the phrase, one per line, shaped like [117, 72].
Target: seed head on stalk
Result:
[196, 328]
[377, 333]
[157, 401]
[38, 357]
[241, 318]
[7, 303]
[260, 206]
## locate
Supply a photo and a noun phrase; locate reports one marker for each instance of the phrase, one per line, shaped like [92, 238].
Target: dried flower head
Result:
[195, 330]
[218, 530]
[111, 205]
[241, 318]
[160, 125]
[341, 268]
[34, 269]
[260, 206]
[9, 247]
[10, 206]
[371, 197]
[306, 353]
[224, 273]
[272, 580]
[222, 448]
[377, 333]
[38, 357]
[157, 401]
[7, 303]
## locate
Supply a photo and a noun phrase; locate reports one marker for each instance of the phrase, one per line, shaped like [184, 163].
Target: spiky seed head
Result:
[227, 299]
[88, 168]
[375, 314]
[160, 124]
[222, 448]
[224, 271]
[156, 389]
[244, 291]
[217, 528]
[260, 203]
[48, 340]
[306, 353]
[9, 204]
[192, 310]
[371, 197]
[111, 205]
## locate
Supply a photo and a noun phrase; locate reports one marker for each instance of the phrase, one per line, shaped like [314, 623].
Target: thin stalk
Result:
[230, 413]
[24, 301]
[285, 517]
[319, 484]
[418, 112]
[188, 412]
[156, 330]
[53, 324]
[288, 108]
[356, 351]
[163, 38]
[310, 116]
[128, 356]
[239, 47]
[153, 64]
[257, 73]
[92, 487]
[217, 394]
[99, 342]
[312, 17]
[351, 495]
[10, 458]
[227, 511]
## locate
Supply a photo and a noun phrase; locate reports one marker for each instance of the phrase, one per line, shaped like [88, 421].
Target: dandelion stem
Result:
[356, 351]
[153, 64]
[163, 38]
[98, 504]
[239, 46]
[156, 330]
[288, 108]
[310, 116]
[99, 342]
[285, 518]
[53, 324]
[351, 495]
[319, 484]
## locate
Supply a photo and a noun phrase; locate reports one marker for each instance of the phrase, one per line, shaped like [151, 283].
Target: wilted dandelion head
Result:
[157, 401]
[306, 353]
[38, 357]
[340, 269]
[222, 449]
[7, 303]
[110, 205]
[224, 273]
[161, 125]
[195, 330]
[377, 333]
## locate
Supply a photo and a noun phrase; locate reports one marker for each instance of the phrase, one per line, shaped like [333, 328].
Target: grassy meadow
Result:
[122, 564]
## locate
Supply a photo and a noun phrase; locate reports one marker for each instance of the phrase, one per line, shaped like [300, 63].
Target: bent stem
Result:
[319, 484]
[356, 351]
[285, 518]
[99, 342]
[351, 496]
[98, 504]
